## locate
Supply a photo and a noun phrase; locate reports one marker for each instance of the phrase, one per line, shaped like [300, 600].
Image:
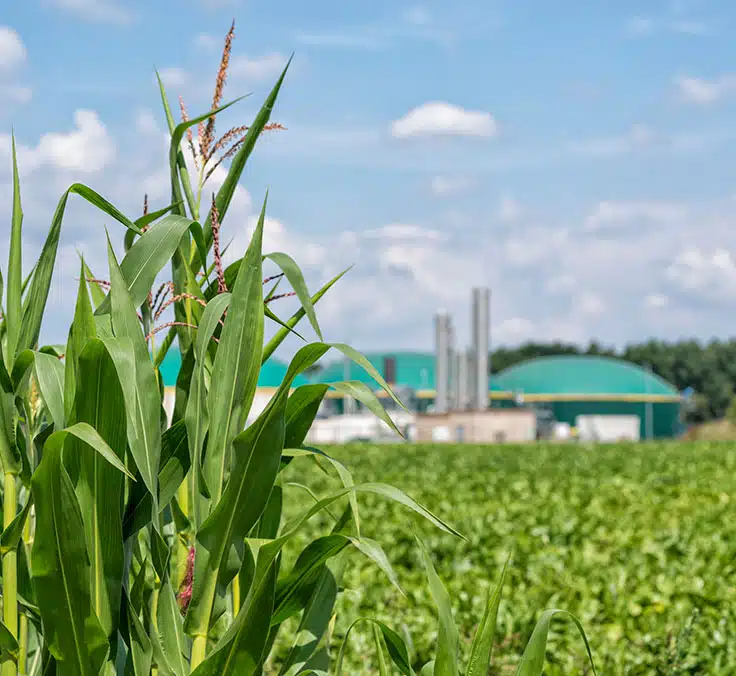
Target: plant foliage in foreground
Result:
[131, 546]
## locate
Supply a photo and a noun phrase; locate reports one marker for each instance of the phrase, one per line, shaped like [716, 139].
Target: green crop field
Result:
[639, 541]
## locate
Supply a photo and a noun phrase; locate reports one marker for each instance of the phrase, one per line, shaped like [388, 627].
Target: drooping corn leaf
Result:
[294, 275]
[12, 534]
[396, 646]
[34, 305]
[532, 661]
[282, 333]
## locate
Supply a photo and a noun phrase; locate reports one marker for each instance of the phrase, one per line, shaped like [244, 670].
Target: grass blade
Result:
[396, 646]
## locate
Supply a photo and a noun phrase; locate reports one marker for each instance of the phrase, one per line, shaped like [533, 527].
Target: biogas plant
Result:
[452, 394]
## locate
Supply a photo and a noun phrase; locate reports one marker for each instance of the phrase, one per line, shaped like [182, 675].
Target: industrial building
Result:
[451, 397]
[588, 392]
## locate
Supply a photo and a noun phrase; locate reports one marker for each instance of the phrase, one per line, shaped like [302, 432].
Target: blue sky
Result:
[576, 157]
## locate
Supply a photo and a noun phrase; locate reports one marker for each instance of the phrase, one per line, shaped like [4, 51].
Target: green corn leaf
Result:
[9, 453]
[170, 625]
[12, 534]
[294, 275]
[15, 271]
[196, 415]
[237, 166]
[396, 646]
[239, 651]
[301, 411]
[60, 560]
[236, 366]
[374, 551]
[141, 650]
[142, 222]
[257, 456]
[282, 333]
[181, 164]
[177, 135]
[50, 376]
[381, 658]
[98, 485]
[481, 650]
[81, 331]
[8, 644]
[38, 293]
[294, 591]
[21, 369]
[532, 661]
[364, 394]
[428, 669]
[448, 639]
[138, 381]
[314, 623]
[147, 257]
[96, 291]
[174, 465]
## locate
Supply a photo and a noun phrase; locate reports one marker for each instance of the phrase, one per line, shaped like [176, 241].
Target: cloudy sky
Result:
[577, 157]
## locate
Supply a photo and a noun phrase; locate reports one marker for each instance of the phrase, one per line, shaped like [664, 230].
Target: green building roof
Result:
[415, 370]
[583, 375]
[271, 375]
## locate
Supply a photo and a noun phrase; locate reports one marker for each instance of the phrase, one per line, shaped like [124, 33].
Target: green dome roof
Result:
[271, 375]
[584, 375]
[415, 370]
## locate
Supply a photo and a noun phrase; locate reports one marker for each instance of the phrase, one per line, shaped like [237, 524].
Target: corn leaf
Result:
[60, 560]
[38, 293]
[12, 534]
[98, 485]
[448, 639]
[396, 646]
[236, 366]
[481, 650]
[532, 661]
[50, 376]
[14, 301]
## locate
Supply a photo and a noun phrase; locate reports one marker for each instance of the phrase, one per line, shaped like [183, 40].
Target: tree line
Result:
[707, 370]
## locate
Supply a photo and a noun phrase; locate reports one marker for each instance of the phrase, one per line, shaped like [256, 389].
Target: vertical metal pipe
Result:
[442, 344]
[462, 380]
[451, 367]
[481, 321]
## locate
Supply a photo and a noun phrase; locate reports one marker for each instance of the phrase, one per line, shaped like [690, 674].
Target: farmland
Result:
[639, 541]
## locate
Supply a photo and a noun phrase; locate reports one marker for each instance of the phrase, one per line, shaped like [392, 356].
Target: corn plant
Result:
[132, 545]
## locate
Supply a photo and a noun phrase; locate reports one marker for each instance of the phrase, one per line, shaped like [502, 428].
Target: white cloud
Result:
[705, 92]
[589, 303]
[100, 11]
[711, 275]
[514, 330]
[418, 16]
[437, 118]
[611, 213]
[12, 50]
[173, 77]
[403, 231]
[644, 26]
[656, 301]
[207, 42]
[259, 68]
[445, 186]
[88, 148]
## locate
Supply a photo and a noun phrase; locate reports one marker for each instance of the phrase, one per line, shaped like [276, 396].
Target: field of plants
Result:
[638, 541]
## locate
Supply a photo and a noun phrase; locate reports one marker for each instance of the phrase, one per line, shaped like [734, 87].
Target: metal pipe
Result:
[462, 381]
[481, 329]
[442, 345]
